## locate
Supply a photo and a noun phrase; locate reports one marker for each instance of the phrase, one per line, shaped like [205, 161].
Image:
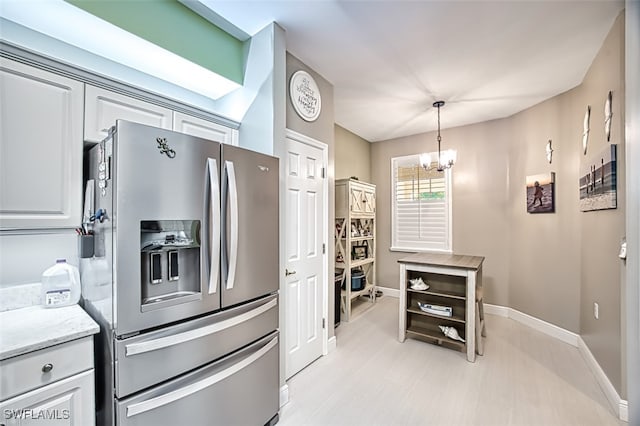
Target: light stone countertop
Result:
[32, 328]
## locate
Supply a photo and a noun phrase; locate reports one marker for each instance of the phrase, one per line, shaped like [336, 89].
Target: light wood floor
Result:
[524, 378]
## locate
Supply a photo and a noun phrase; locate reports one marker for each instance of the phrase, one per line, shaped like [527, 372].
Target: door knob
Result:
[287, 272]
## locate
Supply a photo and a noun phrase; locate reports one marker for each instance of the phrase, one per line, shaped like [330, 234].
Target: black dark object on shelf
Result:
[339, 278]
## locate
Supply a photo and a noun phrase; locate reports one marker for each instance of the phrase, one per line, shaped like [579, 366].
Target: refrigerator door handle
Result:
[186, 336]
[233, 211]
[173, 396]
[213, 229]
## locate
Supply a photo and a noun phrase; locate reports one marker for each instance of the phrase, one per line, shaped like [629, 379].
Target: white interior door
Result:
[305, 272]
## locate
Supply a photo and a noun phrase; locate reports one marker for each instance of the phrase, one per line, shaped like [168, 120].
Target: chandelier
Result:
[446, 159]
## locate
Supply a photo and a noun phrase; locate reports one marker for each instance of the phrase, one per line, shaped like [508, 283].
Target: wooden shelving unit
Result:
[355, 234]
[452, 281]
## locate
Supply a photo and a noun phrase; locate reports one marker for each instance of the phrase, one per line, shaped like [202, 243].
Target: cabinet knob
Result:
[47, 368]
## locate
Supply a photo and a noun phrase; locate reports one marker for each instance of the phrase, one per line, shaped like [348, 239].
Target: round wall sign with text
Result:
[305, 95]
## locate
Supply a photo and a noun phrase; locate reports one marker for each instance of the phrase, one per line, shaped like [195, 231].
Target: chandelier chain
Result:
[438, 104]
[445, 161]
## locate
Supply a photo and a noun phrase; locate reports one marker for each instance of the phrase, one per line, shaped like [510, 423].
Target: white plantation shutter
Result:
[421, 218]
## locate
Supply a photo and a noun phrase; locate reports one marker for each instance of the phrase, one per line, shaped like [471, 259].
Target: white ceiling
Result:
[390, 60]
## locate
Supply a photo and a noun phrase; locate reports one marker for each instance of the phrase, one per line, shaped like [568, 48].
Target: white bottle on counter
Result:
[60, 285]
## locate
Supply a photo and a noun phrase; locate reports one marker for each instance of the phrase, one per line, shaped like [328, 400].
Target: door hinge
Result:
[324, 248]
[322, 173]
[324, 325]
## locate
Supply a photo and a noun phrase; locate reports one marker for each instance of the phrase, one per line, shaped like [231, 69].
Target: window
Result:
[421, 216]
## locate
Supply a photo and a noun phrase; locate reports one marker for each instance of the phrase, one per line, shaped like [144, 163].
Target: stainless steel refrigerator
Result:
[183, 279]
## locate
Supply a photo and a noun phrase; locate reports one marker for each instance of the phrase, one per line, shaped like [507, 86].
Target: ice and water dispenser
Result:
[169, 261]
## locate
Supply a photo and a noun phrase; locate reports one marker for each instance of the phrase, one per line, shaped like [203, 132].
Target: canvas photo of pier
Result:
[598, 181]
[540, 193]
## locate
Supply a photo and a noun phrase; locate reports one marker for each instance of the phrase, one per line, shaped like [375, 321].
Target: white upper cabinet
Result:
[363, 198]
[40, 148]
[104, 107]
[195, 126]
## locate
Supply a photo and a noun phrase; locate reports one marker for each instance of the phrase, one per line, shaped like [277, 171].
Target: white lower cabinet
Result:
[50, 386]
[104, 107]
[66, 402]
[40, 148]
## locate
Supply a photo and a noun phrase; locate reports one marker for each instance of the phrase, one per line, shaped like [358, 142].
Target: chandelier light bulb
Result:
[425, 161]
[447, 158]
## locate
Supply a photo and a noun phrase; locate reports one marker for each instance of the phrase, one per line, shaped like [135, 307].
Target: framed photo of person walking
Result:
[541, 193]
[598, 181]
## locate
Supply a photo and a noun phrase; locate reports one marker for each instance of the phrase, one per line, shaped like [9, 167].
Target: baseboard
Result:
[284, 394]
[388, 291]
[624, 410]
[619, 405]
[331, 344]
[498, 310]
[533, 322]
[545, 327]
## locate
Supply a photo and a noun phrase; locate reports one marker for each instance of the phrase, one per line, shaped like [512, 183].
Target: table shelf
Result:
[454, 318]
[438, 338]
[434, 292]
[452, 280]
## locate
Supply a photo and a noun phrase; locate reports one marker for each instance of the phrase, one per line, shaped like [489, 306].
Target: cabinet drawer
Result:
[32, 370]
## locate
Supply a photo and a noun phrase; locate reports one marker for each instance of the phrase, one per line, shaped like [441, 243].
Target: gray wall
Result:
[564, 262]
[353, 155]
[322, 128]
[632, 296]
[322, 131]
[550, 266]
[479, 199]
[602, 271]
[544, 271]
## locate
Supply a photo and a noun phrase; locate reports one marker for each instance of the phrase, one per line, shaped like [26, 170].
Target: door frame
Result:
[631, 293]
[298, 137]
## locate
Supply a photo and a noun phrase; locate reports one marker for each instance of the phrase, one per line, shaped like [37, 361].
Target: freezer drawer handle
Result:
[170, 397]
[176, 339]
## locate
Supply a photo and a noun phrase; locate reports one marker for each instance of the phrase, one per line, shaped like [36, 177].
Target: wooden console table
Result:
[452, 281]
